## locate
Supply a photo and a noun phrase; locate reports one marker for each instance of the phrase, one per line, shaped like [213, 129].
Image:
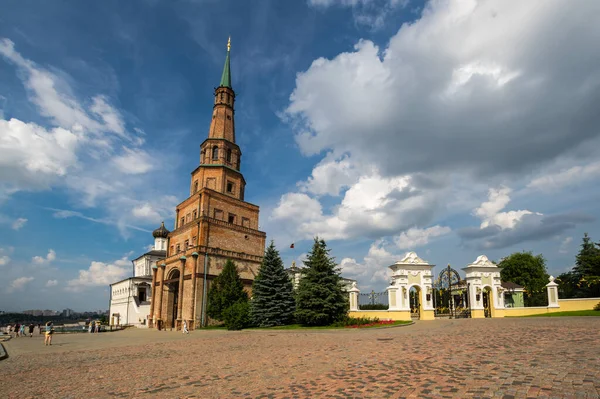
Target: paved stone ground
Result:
[493, 358]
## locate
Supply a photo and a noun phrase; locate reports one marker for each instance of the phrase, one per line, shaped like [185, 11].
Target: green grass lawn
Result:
[301, 327]
[571, 313]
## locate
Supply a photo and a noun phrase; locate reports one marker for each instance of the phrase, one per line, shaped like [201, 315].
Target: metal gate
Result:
[373, 301]
[450, 297]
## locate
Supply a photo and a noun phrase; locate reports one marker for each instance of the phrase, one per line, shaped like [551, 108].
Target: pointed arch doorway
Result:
[172, 298]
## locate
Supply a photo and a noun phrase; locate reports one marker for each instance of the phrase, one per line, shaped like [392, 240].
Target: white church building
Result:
[130, 298]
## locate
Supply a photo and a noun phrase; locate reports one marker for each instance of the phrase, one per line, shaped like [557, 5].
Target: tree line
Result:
[319, 299]
[529, 270]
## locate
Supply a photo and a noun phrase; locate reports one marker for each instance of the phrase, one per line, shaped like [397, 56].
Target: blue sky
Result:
[451, 128]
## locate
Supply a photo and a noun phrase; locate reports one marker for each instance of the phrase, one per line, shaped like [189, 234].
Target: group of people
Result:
[21, 330]
[94, 327]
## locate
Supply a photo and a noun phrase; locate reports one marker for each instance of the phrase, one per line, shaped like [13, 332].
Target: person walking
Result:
[22, 331]
[31, 327]
[91, 325]
[185, 328]
[49, 332]
[17, 329]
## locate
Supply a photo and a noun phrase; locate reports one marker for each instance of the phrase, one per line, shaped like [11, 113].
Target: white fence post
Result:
[353, 292]
[552, 288]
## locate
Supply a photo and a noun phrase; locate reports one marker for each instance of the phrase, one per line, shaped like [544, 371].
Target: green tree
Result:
[587, 261]
[568, 285]
[529, 271]
[226, 290]
[273, 301]
[320, 300]
[587, 268]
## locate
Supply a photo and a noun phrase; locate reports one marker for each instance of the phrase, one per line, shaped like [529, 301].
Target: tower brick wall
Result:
[212, 225]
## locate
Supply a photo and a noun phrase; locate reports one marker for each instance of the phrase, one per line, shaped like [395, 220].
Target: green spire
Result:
[226, 77]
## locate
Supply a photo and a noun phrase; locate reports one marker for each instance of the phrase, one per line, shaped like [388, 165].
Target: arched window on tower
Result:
[215, 153]
[228, 155]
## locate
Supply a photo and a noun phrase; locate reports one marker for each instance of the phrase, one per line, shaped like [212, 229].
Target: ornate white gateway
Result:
[407, 273]
[485, 289]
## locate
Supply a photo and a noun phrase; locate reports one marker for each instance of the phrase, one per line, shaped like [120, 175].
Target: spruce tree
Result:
[273, 301]
[587, 268]
[320, 300]
[226, 290]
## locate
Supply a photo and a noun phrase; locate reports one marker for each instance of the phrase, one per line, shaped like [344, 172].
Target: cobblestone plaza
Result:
[485, 358]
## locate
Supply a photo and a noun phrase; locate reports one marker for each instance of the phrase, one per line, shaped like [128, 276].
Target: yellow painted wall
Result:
[382, 314]
[578, 304]
[508, 312]
[566, 305]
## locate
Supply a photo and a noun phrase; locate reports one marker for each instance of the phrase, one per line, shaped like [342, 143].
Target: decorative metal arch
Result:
[446, 281]
[447, 278]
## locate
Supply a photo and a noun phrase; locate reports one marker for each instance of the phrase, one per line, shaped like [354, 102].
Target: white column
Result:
[353, 292]
[552, 288]
[393, 299]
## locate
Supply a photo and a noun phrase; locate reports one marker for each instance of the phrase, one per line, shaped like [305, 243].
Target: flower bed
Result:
[376, 323]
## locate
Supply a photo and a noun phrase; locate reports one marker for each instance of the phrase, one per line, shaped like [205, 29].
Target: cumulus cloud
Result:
[32, 157]
[505, 100]
[414, 237]
[490, 213]
[4, 259]
[100, 274]
[19, 283]
[18, 223]
[133, 162]
[373, 270]
[374, 206]
[330, 176]
[50, 257]
[89, 152]
[503, 229]
[51, 283]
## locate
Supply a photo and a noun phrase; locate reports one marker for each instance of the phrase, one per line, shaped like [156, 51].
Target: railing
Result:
[373, 301]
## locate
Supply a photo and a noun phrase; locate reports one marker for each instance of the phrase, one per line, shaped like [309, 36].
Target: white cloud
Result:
[133, 162]
[4, 259]
[90, 153]
[490, 213]
[414, 237]
[39, 260]
[330, 176]
[504, 229]
[100, 274]
[374, 206]
[54, 98]
[19, 283]
[32, 157]
[424, 103]
[52, 283]
[18, 223]
[110, 116]
[566, 177]
[373, 270]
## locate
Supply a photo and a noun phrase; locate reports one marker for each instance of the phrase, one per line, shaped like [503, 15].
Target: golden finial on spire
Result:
[229, 43]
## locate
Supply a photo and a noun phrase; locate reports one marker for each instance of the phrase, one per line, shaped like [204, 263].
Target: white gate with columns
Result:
[484, 275]
[409, 272]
